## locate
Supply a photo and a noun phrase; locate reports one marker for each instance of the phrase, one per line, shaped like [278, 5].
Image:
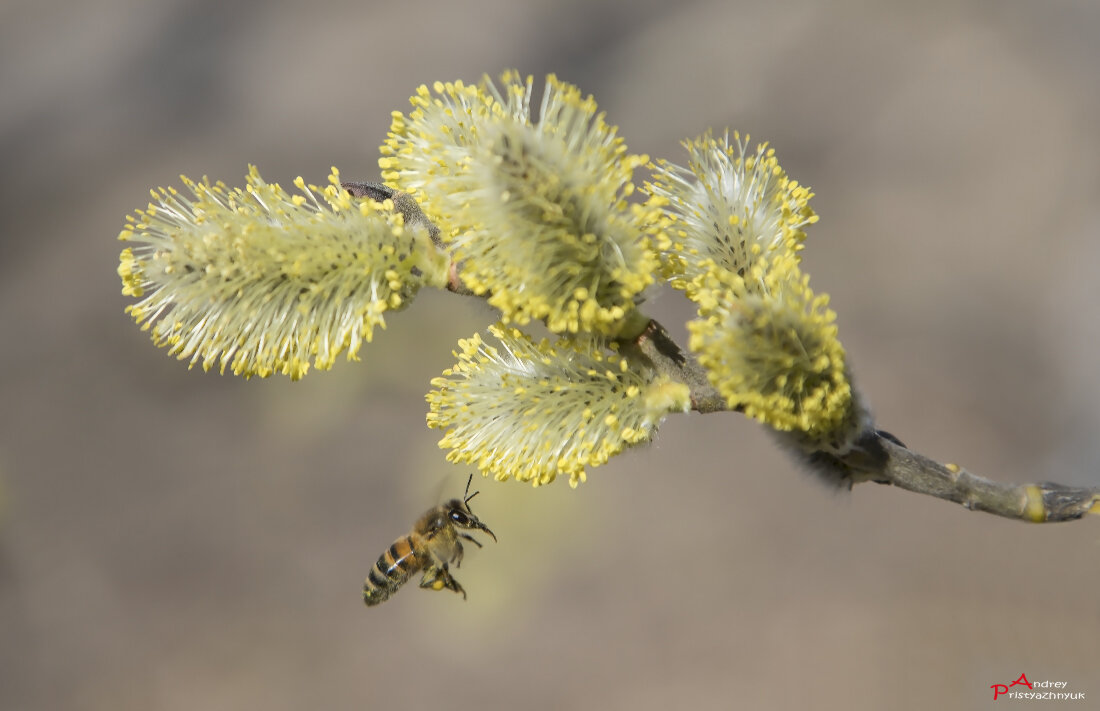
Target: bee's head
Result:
[458, 511]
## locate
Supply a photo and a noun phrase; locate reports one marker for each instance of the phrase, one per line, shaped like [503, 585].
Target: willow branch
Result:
[1045, 502]
[882, 458]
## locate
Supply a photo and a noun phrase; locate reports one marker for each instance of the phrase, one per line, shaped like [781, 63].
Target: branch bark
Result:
[1045, 502]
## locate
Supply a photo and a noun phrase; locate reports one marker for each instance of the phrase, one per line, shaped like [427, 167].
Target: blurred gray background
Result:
[171, 539]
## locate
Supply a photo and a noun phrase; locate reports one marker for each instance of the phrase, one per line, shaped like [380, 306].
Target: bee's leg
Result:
[438, 577]
[471, 539]
[433, 578]
[457, 557]
[452, 584]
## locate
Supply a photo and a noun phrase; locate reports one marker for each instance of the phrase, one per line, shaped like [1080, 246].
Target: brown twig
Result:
[1045, 502]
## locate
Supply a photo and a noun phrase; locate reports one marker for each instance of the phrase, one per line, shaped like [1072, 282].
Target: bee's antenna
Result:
[466, 500]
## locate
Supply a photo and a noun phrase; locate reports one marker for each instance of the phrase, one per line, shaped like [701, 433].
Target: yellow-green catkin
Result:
[772, 351]
[260, 281]
[532, 411]
[537, 212]
[725, 210]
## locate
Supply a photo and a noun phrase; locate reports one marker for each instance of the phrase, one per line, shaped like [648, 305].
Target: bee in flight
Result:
[431, 546]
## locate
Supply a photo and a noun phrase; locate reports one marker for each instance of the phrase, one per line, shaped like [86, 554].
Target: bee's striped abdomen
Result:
[391, 571]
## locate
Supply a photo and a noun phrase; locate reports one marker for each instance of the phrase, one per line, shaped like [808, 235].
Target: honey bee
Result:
[431, 546]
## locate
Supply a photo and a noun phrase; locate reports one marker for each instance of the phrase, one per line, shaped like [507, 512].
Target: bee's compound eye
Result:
[459, 517]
